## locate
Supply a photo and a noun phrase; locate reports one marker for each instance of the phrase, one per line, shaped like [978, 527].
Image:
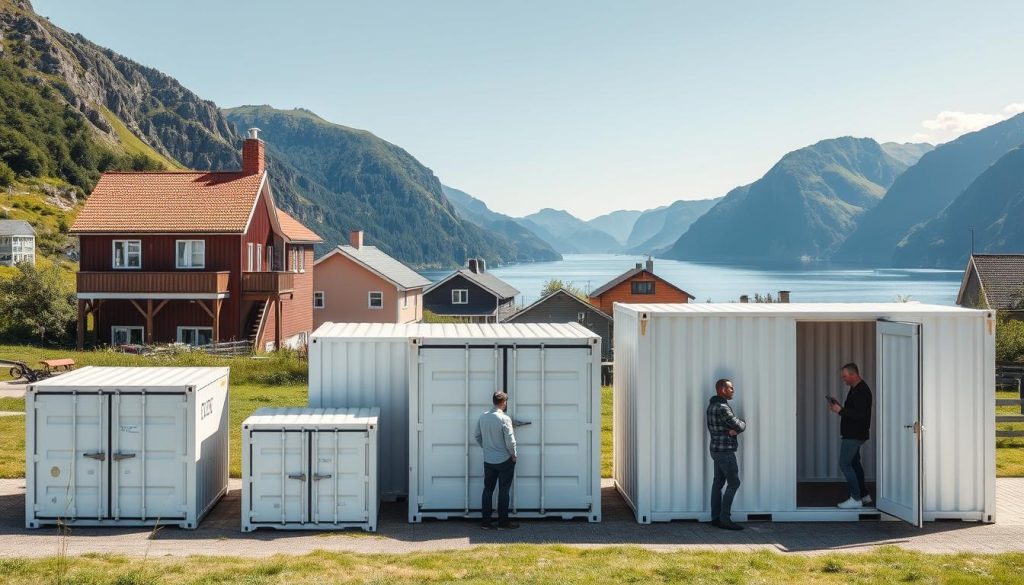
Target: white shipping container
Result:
[931, 455]
[310, 469]
[112, 446]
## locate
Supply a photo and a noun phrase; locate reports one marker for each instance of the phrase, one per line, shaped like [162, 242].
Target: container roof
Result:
[105, 378]
[358, 418]
[824, 310]
[479, 331]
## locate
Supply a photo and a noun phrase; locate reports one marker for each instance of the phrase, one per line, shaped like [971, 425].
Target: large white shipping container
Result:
[310, 469]
[931, 455]
[112, 446]
[551, 373]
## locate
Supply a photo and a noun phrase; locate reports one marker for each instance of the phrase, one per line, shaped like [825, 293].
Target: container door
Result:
[149, 453]
[341, 469]
[551, 389]
[899, 421]
[279, 475]
[456, 386]
[71, 456]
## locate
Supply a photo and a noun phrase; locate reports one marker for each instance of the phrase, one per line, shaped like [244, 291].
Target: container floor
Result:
[825, 494]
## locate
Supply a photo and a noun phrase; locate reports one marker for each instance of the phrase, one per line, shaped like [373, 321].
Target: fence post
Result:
[1020, 395]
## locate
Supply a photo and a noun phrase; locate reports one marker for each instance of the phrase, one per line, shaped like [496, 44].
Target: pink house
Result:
[361, 284]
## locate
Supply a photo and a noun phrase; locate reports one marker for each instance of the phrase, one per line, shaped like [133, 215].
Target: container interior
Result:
[823, 347]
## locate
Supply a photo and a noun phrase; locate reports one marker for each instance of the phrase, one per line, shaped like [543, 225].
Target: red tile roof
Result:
[169, 202]
[294, 230]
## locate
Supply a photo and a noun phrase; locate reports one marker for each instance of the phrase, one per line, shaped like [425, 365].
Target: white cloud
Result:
[947, 125]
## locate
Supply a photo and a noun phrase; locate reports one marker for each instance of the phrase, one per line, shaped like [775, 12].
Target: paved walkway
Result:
[219, 533]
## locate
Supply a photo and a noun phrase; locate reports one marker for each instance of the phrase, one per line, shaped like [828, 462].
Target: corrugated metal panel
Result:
[680, 352]
[94, 378]
[822, 349]
[308, 418]
[823, 310]
[455, 332]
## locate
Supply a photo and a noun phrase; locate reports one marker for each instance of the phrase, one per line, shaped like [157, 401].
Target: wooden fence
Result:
[1008, 377]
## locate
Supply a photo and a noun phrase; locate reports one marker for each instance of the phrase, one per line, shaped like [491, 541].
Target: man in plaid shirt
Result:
[724, 425]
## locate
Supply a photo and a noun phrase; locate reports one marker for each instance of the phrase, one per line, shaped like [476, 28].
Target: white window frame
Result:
[405, 300]
[293, 261]
[581, 317]
[460, 296]
[259, 257]
[302, 260]
[196, 329]
[270, 257]
[250, 247]
[189, 254]
[129, 329]
[124, 243]
[322, 297]
[380, 299]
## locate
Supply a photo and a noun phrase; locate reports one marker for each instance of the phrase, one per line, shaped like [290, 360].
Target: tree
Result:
[37, 304]
[555, 284]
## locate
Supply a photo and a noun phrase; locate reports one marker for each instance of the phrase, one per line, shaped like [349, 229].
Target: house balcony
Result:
[261, 285]
[135, 284]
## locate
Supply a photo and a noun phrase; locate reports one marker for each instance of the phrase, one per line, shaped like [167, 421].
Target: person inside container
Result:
[853, 431]
[724, 427]
[495, 434]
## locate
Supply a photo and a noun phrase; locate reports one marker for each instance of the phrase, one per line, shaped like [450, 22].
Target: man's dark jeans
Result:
[499, 474]
[727, 471]
[853, 471]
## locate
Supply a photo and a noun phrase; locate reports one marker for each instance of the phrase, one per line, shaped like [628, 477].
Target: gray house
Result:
[473, 294]
[17, 242]
[562, 306]
[994, 281]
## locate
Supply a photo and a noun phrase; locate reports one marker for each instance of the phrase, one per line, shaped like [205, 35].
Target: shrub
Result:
[1009, 340]
[37, 304]
[6, 175]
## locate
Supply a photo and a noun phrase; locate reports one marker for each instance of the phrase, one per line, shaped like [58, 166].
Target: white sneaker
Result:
[850, 504]
[866, 500]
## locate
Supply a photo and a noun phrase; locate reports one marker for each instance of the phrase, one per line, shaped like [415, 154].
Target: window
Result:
[127, 254]
[249, 248]
[293, 260]
[270, 258]
[302, 260]
[318, 299]
[460, 296]
[259, 257]
[376, 299]
[126, 335]
[581, 317]
[195, 336]
[642, 287]
[405, 299]
[191, 254]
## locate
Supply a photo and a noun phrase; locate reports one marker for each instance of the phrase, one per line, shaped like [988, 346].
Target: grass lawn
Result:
[527, 564]
[1009, 452]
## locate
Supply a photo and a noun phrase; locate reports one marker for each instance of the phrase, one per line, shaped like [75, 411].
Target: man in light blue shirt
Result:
[494, 434]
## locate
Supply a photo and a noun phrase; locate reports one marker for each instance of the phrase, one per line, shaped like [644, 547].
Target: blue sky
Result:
[588, 106]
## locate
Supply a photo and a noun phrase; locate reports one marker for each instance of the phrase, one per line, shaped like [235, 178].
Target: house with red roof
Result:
[193, 257]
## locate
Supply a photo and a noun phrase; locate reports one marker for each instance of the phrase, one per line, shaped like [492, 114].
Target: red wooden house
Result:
[193, 257]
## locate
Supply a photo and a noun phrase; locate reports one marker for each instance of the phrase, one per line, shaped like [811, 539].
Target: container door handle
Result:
[122, 456]
[99, 456]
[319, 476]
[298, 476]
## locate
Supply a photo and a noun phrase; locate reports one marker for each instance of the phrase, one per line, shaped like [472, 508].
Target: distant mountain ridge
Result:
[569, 234]
[801, 209]
[525, 245]
[617, 224]
[658, 229]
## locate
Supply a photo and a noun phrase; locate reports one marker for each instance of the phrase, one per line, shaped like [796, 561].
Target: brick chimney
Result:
[481, 265]
[472, 265]
[744, 299]
[649, 267]
[253, 157]
[355, 239]
[783, 296]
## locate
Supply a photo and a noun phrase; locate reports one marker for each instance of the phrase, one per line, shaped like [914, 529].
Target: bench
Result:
[58, 365]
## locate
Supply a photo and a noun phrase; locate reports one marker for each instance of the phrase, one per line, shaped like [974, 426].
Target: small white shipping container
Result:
[310, 469]
[931, 455]
[112, 446]
[432, 382]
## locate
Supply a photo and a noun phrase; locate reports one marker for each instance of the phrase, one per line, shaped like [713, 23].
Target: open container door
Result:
[900, 491]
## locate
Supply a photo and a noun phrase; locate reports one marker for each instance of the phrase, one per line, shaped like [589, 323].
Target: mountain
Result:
[659, 228]
[338, 179]
[926, 189]
[801, 209]
[569, 234]
[907, 153]
[524, 244]
[993, 204]
[617, 224]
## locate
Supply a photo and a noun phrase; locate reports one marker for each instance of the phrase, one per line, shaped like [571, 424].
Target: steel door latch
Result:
[99, 456]
[122, 456]
[319, 476]
[298, 476]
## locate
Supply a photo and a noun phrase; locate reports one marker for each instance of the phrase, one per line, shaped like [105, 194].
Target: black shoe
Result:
[508, 526]
[487, 525]
[729, 525]
[716, 523]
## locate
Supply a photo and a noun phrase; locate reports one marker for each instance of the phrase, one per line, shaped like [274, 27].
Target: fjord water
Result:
[812, 283]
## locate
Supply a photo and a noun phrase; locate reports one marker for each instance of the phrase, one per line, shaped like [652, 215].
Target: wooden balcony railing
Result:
[268, 283]
[153, 282]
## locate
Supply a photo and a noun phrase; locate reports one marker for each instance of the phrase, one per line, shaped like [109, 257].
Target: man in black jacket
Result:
[854, 430]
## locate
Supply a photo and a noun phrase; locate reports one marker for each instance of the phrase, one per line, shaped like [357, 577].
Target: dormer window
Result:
[191, 254]
[127, 255]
